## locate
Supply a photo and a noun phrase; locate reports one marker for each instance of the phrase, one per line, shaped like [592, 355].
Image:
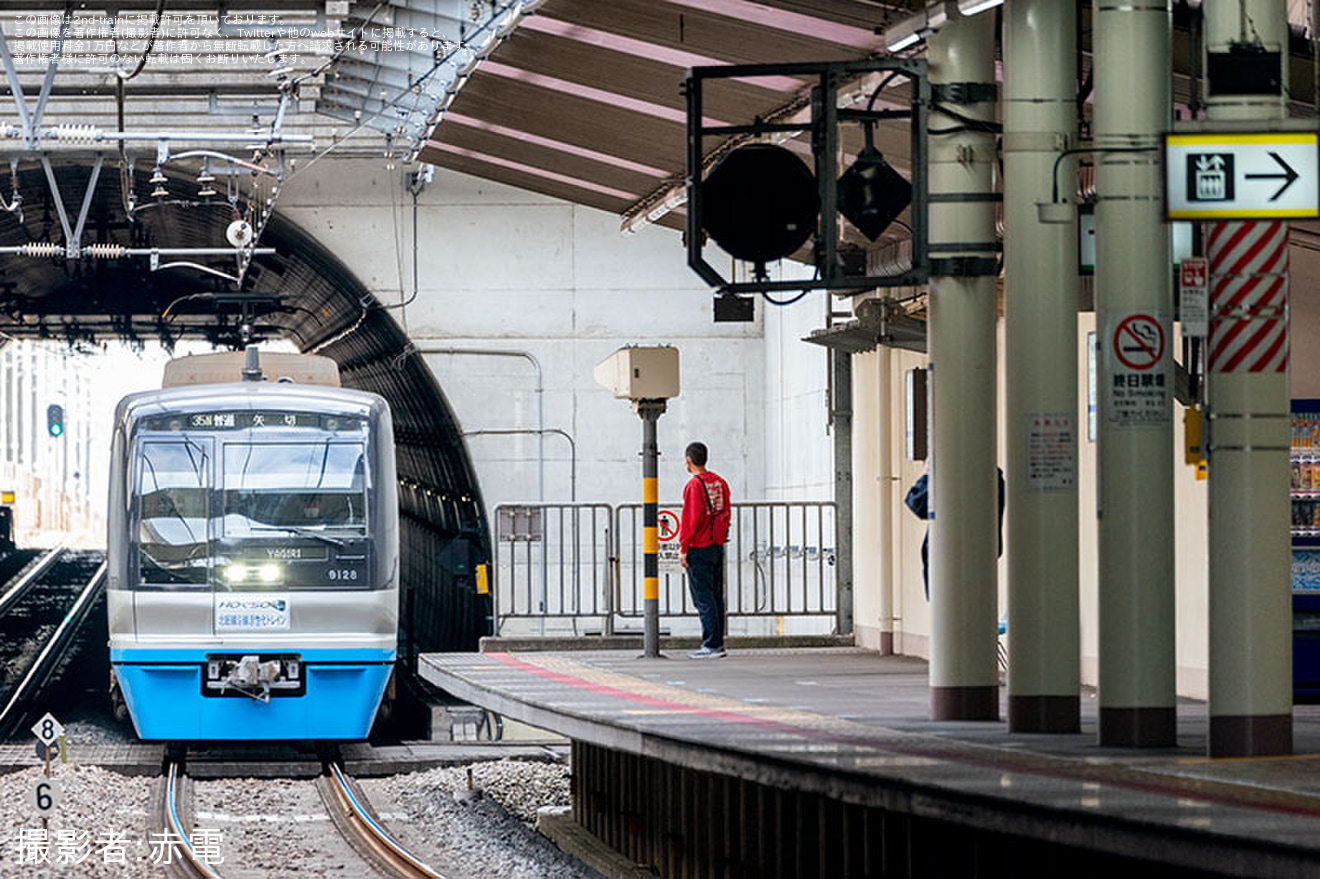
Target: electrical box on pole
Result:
[649, 377]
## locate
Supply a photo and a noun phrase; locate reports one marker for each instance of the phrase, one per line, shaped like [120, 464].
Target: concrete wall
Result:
[502, 268]
[799, 439]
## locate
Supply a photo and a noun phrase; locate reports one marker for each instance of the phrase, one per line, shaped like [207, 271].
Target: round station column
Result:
[1134, 328]
[1248, 397]
[1040, 309]
[964, 678]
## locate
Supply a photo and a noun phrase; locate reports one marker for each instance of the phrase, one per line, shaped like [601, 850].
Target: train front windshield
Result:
[235, 509]
[173, 484]
[289, 487]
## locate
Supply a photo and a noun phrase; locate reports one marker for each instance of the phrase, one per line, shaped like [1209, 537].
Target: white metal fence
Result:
[579, 566]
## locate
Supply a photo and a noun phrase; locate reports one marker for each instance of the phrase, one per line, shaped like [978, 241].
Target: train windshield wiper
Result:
[303, 532]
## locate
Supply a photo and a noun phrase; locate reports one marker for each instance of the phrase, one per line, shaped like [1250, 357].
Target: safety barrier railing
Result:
[779, 561]
[580, 565]
[553, 562]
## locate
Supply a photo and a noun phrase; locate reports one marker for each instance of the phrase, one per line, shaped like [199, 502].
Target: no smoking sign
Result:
[1136, 392]
[1139, 342]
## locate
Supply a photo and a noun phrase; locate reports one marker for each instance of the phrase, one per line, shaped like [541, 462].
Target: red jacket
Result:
[706, 512]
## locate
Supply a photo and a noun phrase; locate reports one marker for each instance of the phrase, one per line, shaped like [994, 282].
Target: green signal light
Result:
[55, 419]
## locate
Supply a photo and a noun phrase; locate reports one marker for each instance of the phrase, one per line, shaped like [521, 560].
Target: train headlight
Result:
[236, 573]
[269, 573]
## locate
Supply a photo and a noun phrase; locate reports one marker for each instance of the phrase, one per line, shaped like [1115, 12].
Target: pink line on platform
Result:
[649, 701]
[1000, 762]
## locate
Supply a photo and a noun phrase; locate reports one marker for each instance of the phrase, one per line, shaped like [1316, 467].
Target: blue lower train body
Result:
[162, 689]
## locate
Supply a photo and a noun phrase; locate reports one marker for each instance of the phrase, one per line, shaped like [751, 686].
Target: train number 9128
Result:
[342, 574]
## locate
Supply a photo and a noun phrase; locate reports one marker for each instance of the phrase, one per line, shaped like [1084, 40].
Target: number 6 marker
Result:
[44, 796]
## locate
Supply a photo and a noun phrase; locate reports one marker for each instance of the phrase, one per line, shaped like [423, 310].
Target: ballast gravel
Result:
[274, 827]
[269, 828]
[98, 827]
[486, 836]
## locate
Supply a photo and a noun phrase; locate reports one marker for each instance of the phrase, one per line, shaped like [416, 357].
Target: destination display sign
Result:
[249, 419]
[1215, 176]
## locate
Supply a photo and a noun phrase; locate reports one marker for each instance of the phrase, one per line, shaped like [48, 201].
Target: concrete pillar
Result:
[964, 679]
[1040, 312]
[1134, 321]
[1247, 390]
[873, 545]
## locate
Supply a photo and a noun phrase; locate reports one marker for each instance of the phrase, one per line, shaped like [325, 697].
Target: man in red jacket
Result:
[701, 535]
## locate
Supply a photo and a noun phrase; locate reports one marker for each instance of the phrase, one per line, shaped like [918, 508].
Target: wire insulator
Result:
[41, 248]
[77, 133]
[104, 251]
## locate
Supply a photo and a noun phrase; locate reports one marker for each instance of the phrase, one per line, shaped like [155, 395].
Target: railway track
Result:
[347, 807]
[171, 817]
[13, 561]
[41, 612]
[21, 578]
[353, 815]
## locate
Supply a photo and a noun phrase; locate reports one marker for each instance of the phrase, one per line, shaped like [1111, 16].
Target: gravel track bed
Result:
[94, 803]
[274, 828]
[26, 628]
[488, 837]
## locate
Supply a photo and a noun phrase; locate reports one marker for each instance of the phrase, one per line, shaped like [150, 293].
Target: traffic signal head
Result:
[55, 419]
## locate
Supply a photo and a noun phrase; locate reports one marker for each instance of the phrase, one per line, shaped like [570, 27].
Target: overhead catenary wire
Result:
[125, 181]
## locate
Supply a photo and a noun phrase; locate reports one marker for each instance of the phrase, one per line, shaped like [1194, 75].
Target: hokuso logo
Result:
[277, 604]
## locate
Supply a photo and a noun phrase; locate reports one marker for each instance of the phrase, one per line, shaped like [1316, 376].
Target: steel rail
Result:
[189, 862]
[26, 579]
[50, 654]
[350, 815]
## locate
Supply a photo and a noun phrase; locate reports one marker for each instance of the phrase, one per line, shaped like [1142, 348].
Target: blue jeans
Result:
[705, 576]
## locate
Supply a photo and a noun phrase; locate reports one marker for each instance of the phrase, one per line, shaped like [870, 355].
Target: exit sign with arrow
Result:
[1241, 176]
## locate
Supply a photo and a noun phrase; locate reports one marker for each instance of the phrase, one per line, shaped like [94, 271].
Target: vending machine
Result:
[1305, 493]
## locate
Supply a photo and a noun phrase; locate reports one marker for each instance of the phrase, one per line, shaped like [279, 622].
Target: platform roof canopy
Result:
[584, 101]
[576, 99]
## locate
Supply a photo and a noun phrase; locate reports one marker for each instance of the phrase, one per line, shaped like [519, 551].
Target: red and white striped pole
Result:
[1247, 391]
[1249, 298]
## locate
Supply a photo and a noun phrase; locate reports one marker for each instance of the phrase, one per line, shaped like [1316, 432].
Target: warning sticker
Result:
[1137, 376]
[1051, 452]
[667, 525]
[1194, 296]
[667, 552]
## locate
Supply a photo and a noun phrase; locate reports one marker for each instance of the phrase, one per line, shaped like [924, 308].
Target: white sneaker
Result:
[707, 653]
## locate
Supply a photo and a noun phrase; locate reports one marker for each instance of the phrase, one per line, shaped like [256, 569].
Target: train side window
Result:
[173, 482]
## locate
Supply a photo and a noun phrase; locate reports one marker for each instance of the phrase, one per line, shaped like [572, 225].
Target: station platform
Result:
[822, 762]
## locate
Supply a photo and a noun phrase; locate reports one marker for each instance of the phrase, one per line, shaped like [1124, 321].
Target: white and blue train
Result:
[253, 552]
